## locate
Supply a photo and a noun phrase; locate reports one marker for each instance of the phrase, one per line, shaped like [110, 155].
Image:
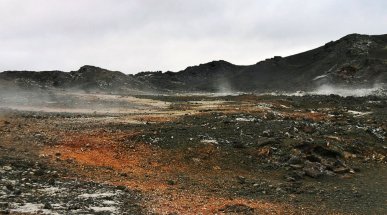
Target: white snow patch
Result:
[319, 77]
[242, 119]
[58, 206]
[358, 113]
[52, 190]
[210, 141]
[7, 168]
[31, 208]
[96, 195]
[111, 209]
[374, 102]
[109, 202]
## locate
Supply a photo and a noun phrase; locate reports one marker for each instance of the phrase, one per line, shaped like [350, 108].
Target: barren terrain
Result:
[79, 153]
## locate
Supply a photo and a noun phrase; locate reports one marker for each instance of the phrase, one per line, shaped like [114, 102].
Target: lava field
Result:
[194, 154]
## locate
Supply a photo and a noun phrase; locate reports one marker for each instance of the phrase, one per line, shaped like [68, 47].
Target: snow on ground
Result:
[358, 113]
[110, 209]
[96, 195]
[31, 208]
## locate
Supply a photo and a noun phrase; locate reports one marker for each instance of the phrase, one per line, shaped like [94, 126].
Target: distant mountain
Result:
[354, 60]
[87, 78]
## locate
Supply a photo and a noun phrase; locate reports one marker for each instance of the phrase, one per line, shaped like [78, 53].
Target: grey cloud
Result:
[138, 35]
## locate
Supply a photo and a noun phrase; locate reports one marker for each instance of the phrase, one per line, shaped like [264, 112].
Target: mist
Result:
[71, 101]
[223, 87]
[348, 91]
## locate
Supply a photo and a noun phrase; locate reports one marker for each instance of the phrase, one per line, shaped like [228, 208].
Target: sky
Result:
[169, 35]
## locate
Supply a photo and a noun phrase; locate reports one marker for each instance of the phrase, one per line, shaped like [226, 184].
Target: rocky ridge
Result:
[352, 61]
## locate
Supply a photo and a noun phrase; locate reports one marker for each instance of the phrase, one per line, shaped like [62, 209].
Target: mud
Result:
[196, 154]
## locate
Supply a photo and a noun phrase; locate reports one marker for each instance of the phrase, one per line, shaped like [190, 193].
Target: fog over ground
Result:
[139, 35]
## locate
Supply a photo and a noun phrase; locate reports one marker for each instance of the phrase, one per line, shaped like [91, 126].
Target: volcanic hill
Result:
[352, 61]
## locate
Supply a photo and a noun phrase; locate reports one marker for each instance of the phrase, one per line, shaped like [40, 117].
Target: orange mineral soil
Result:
[117, 158]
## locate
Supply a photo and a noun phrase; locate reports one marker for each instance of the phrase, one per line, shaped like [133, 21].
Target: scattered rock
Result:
[17, 192]
[296, 166]
[238, 145]
[313, 169]
[9, 187]
[313, 158]
[296, 174]
[268, 133]
[241, 180]
[295, 160]
[51, 181]
[171, 182]
[268, 141]
[341, 170]
[4, 205]
[75, 206]
[39, 172]
[7, 168]
[237, 208]
[124, 174]
[326, 152]
[47, 206]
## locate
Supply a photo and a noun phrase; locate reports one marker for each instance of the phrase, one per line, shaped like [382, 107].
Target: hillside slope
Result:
[352, 61]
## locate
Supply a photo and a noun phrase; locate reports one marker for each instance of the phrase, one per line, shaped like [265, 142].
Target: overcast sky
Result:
[141, 35]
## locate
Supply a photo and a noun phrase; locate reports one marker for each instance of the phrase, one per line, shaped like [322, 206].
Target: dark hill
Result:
[88, 78]
[354, 60]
